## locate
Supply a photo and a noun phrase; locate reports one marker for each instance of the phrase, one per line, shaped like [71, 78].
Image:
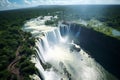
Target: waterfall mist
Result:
[59, 58]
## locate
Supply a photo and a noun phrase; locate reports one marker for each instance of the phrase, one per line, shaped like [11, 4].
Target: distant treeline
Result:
[110, 14]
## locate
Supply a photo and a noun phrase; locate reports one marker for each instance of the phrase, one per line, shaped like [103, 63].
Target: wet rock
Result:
[74, 48]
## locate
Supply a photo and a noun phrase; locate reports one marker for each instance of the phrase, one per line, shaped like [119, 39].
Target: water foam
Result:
[64, 64]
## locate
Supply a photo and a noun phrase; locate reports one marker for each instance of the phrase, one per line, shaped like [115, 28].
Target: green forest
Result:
[16, 45]
[13, 40]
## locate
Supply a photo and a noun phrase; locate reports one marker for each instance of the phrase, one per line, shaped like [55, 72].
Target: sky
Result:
[13, 4]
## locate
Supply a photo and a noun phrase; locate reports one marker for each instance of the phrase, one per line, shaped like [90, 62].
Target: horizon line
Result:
[59, 5]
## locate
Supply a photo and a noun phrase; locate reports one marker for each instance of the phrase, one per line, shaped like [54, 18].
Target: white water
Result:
[52, 48]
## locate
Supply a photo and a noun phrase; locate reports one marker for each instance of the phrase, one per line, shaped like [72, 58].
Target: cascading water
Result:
[59, 58]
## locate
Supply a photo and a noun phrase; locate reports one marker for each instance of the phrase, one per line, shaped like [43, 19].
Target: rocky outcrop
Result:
[105, 49]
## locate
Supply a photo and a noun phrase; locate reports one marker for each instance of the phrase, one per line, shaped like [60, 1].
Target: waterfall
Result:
[58, 58]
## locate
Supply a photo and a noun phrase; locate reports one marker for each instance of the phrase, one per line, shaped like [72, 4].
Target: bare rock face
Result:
[73, 47]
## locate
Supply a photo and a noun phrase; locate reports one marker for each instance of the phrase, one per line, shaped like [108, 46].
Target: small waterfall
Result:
[58, 58]
[64, 29]
[53, 37]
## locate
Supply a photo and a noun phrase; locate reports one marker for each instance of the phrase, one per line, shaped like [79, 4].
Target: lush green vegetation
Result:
[98, 26]
[12, 37]
[49, 22]
[109, 14]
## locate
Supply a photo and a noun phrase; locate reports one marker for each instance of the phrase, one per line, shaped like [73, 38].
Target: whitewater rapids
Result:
[58, 58]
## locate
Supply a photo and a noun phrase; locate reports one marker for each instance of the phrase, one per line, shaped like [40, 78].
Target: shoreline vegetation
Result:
[16, 49]
[16, 45]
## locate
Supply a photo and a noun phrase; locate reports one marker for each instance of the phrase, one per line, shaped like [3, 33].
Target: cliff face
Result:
[104, 49]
